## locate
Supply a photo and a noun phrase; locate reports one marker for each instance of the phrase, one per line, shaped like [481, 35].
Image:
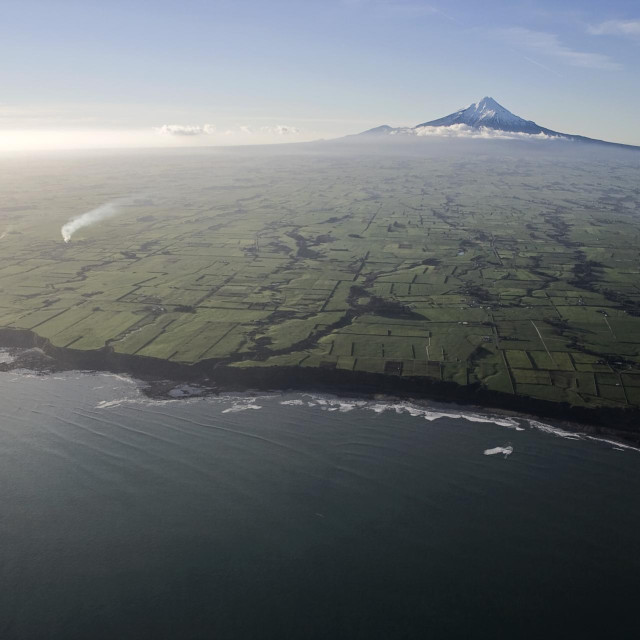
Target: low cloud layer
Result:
[465, 131]
[186, 129]
[210, 129]
[169, 136]
[281, 130]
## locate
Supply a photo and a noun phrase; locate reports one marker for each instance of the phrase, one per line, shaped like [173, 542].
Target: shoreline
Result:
[216, 376]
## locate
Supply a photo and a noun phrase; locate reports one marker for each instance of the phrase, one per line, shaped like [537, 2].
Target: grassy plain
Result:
[515, 270]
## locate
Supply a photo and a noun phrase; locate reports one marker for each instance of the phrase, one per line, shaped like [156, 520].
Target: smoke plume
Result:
[102, 212]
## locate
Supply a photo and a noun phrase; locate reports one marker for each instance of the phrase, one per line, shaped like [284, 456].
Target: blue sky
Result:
[283, 70]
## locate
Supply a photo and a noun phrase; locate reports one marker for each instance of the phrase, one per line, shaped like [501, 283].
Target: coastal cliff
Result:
[219, 375]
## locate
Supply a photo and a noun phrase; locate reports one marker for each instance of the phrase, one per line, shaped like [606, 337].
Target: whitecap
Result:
[556, 431]
[418, 412]
[618, 446]
[506, 451]
[122, 378]
[105, 404]
[345, 407]
[241, 407]
[6, 357]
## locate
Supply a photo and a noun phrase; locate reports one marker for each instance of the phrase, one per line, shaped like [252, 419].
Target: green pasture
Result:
[413, 266]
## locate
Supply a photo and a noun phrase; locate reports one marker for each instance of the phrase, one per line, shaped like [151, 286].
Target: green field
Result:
[520, 272]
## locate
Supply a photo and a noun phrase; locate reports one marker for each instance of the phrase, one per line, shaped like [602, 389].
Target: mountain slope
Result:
[486, 113]
[482, 116]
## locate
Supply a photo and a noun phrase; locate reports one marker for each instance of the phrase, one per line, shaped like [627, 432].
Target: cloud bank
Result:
[210, 129]
[186, 129]
[281, 130]
[465, 131]
[166, 136]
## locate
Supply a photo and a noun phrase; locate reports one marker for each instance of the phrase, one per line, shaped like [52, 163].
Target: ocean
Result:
[297, 515]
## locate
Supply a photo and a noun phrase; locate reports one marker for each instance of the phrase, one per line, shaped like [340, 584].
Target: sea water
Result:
[304, 516]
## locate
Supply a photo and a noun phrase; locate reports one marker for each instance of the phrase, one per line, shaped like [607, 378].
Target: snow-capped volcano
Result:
[485, 118]
[486, 113]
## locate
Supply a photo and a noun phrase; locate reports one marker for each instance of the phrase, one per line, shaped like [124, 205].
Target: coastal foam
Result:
[235, 408]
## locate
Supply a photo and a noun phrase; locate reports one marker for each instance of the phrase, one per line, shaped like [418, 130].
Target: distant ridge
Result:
[487, 114]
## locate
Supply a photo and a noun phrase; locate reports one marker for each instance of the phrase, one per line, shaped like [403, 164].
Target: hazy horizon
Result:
[89, 75]
[264, 377]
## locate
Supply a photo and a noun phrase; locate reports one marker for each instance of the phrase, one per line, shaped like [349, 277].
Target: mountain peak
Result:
[486, 113]
[486, 105]
[483, 115]
[489, 101]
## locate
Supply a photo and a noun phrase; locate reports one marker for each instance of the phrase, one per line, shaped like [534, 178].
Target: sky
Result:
[147, 73]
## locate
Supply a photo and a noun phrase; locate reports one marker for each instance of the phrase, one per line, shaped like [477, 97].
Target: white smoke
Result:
[102, 212]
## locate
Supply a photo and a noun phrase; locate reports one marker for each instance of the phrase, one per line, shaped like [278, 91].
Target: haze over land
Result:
[506, 266]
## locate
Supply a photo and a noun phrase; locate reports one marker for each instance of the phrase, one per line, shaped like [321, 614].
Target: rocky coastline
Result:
[215, 376]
